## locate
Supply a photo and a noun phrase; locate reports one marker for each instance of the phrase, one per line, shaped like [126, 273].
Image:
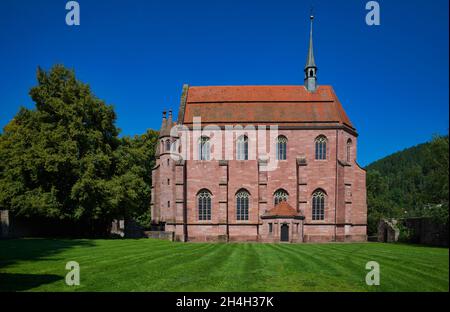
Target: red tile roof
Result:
[282, 105]
[283, 209]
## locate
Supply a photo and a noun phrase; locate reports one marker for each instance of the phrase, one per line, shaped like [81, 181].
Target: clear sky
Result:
[392, 79]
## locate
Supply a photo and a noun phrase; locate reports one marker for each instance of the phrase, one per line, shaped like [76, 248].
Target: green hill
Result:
[410, 183]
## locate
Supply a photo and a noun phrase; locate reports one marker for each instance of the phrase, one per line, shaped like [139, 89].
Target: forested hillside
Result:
[410, 183]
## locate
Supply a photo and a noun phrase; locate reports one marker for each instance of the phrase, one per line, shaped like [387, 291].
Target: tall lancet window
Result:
[204, 205]
[242, 203]
[167, 145]
[242, 148]
[349, 150]
[281, 147]
[204, 148]
[279, 196]
[318, 205]
[321, 147]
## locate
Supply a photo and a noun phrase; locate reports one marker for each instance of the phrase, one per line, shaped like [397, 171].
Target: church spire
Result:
[310, 67]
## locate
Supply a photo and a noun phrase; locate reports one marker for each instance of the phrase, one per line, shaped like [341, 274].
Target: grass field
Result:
[154, 265]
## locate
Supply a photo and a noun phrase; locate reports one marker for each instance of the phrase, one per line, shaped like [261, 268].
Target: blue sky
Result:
[392, 79]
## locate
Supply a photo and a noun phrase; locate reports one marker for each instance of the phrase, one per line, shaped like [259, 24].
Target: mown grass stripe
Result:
[156, 265]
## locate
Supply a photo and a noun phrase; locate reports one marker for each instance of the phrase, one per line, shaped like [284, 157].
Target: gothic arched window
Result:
[349, 150]
[242, 148]
[281, 147]
[167, 145]
[204, 148]
[279, 196]
[204, 205]
[318, 205]
[321, 147]
[242, 203]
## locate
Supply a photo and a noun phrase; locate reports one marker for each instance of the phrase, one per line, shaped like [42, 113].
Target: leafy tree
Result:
[63, 160]
[57, 160]
[131, 183]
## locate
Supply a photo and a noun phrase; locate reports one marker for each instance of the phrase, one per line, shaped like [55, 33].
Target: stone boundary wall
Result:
[160, 235]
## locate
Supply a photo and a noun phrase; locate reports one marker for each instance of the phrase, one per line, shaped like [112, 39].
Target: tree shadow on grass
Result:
[21, 282]
[16, 250]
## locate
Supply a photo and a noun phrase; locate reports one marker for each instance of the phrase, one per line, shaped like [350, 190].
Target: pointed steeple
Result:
[310, 60]
[310, 67]
[163, 125]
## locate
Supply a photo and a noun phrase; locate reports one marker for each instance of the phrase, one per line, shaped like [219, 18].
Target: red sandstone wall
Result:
[156, 191]
[224, 180]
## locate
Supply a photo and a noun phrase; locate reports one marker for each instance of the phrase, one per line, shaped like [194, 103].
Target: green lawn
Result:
[154, 265]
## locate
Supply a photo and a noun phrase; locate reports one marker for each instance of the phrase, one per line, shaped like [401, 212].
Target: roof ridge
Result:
[262, 103]
[256, 85]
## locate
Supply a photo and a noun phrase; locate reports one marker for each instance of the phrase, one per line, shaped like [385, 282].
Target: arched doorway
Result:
[284, 237]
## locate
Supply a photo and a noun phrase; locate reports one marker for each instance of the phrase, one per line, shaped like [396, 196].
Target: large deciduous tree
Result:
[64, 160]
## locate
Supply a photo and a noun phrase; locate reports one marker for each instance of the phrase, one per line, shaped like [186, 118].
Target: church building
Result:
[260, 163]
